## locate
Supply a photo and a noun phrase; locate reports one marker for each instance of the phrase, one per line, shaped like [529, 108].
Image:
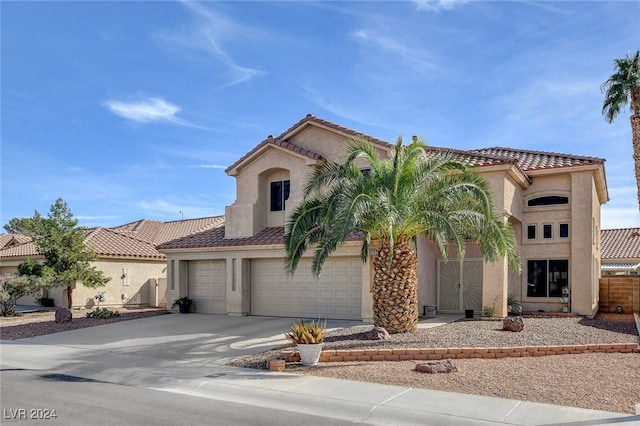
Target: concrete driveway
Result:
[161, 345]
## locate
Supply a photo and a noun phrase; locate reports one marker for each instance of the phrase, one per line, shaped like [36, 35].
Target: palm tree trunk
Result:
[635, 140]
[395, 288]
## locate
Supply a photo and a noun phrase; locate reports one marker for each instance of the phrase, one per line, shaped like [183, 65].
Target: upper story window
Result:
[279, 194]
[549, 200]
[531, 232]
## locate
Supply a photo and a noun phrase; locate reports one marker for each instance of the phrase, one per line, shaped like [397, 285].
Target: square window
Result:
[564, 230]
[531, 232]
[546, 278]
[547, 231]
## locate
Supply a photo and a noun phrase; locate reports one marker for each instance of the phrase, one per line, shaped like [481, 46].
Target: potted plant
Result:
[183, 304]
[515, 307]
[309, 339]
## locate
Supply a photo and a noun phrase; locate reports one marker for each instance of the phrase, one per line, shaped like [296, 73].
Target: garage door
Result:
[208, 286]
[337, 293]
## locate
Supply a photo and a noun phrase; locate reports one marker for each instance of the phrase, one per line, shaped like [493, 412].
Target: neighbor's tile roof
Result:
[620, 243]
[20, 250]
[157, 232]
[133, 240]
[215, 238]
[7, 240]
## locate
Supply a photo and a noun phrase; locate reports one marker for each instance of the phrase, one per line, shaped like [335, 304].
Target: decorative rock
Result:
[63, 315]
[433, 367]
[378, 333]
[513, 324]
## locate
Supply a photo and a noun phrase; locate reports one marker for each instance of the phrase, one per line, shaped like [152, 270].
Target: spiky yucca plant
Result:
[305, 333]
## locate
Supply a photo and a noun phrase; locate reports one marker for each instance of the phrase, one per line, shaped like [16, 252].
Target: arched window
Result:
[549, 200]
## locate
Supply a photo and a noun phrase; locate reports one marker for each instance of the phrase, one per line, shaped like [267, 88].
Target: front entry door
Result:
[460, 285]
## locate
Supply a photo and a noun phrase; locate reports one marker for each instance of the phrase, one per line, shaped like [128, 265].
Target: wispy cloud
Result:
[208, 166]
[148, 110]
[415, 58]
[438, 5]
[210, 35]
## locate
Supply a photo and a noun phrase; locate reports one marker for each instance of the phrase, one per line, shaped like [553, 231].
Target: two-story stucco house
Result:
[551, 200]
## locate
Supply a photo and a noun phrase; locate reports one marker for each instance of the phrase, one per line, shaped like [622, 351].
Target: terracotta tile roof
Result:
[20, 250]
[620, 243]
[310, 118]
[109, 243]
[282, 142]
[275, 142]
[534, 160]
[133, 240]
[157, 232]
[8, 240]
[215, 238]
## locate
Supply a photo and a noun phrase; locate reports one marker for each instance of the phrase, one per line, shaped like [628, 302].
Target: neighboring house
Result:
[621, 252]
[126, 254]
[551, 200]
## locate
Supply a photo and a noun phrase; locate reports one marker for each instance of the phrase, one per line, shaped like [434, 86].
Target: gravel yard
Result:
[602, 381]
[40, 323]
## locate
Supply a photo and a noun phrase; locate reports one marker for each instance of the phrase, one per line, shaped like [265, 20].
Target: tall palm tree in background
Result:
[408, 194]
[624, 86]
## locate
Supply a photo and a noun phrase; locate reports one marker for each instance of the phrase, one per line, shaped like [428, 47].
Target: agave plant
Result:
[305, 333]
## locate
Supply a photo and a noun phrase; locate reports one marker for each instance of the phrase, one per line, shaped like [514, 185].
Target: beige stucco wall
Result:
[136, 288]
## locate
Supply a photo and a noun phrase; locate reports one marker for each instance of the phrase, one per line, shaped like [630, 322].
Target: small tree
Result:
[61, 242]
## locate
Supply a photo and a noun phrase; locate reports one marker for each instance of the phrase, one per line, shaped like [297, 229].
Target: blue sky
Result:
[131, 110]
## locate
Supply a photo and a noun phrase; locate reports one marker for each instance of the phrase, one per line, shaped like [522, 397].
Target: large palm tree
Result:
[408, 194]
[624, 86]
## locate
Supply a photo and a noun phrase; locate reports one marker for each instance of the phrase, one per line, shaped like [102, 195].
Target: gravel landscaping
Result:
[602, 381]
[39, 323]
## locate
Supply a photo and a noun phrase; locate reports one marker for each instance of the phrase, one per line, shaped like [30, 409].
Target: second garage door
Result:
[208, 286]
[337, 293]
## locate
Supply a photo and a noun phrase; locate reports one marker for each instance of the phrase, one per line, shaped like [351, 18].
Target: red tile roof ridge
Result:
[538, 152]
[277, 142]
[312, 118]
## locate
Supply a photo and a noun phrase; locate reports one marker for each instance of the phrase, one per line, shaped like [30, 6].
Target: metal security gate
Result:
[460, 285]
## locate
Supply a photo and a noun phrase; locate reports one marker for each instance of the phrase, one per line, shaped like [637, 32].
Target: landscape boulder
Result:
[63, 315]
[432, 367]
[378, 333]
[513, 324]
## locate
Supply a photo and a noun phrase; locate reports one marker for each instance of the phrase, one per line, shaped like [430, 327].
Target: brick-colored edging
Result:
[343, 355]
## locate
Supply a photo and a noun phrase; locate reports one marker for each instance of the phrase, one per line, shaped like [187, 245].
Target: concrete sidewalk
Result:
[186, 354]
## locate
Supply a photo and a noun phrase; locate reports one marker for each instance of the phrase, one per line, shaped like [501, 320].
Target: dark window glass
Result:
[546, 278]
[547, 231]
[558, 277]
[279, 194]
[531, 232]
[564, 230]
[536, 278]
[548, 201]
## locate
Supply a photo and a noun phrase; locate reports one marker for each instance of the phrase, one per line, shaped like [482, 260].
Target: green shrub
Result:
[489, 312]
[102, 313]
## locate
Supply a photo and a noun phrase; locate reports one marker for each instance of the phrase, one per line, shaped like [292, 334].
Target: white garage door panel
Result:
[208, 286]
[336, 294]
